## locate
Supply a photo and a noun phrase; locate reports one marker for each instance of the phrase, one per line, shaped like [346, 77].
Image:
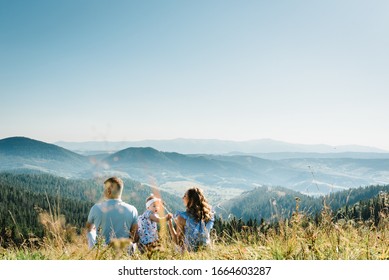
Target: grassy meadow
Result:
[297, 238]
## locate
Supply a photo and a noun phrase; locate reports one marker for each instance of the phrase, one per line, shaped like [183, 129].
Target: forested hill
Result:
[277, 202]
[26, 147]
[19, 154]
[23, 195]
[20, 208]
[267, 202]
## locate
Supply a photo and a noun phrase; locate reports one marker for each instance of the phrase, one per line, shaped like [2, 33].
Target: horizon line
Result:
[199, 139]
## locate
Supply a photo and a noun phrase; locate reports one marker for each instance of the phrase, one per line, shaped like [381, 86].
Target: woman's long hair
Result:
[198, 206]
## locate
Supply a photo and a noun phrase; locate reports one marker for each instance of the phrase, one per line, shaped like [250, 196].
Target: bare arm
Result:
[90, 227]
[134, 232]
[157, 219]
[91, 234]
[172, 231]
[178, 235]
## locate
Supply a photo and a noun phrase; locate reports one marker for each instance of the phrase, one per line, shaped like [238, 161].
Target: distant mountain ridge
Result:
[213, 146]
[313, 176]
[22, 146]
[222, 175]
[292, 155]
[21, 153]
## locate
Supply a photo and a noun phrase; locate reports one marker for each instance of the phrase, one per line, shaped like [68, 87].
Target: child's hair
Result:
[151, 197]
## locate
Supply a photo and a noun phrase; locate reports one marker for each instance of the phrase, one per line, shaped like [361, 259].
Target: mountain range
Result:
[222, 176]
[214, 146]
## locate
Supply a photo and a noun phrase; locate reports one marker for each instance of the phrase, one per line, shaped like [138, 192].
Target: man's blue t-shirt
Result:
[113, 218]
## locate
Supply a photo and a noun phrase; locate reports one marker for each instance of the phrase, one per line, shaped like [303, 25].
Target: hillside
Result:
[375, 210]
[277, 202]
[22, 194]
[301, 237]
[20, 209]
[32, 229]
[312, 176]
[267, 203]
[20, 154]
[141, 163]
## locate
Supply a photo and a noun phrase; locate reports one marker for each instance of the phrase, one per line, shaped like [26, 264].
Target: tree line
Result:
[24, 196]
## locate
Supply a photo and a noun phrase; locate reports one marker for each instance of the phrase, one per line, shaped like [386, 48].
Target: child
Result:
[147, 223]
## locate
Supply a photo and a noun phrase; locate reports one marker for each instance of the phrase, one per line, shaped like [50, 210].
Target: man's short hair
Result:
[118, 182]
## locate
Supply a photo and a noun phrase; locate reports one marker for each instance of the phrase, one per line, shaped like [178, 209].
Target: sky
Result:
[309, 72]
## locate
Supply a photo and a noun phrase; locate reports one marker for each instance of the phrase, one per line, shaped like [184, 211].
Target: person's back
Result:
[196, 233]
[112, 218]
[194, 224]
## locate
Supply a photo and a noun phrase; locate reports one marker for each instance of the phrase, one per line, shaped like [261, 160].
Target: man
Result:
[112, 218]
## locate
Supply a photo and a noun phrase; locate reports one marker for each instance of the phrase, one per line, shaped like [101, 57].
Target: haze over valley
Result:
[223, 176]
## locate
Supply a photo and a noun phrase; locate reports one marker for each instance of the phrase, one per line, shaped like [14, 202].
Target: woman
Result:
[194, 224]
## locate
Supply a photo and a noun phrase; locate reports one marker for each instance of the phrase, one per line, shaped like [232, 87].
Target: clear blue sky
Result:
[314, 72]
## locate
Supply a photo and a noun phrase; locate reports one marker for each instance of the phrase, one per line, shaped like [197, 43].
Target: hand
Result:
[169, 216]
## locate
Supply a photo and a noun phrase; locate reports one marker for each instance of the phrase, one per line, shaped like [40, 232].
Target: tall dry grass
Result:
[297, 238]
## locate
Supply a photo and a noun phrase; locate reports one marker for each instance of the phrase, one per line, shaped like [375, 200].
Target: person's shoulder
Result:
[182, 214]
[96, 209]
[128, 206]
[146, 213]
[212, 216]
[97, 205]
